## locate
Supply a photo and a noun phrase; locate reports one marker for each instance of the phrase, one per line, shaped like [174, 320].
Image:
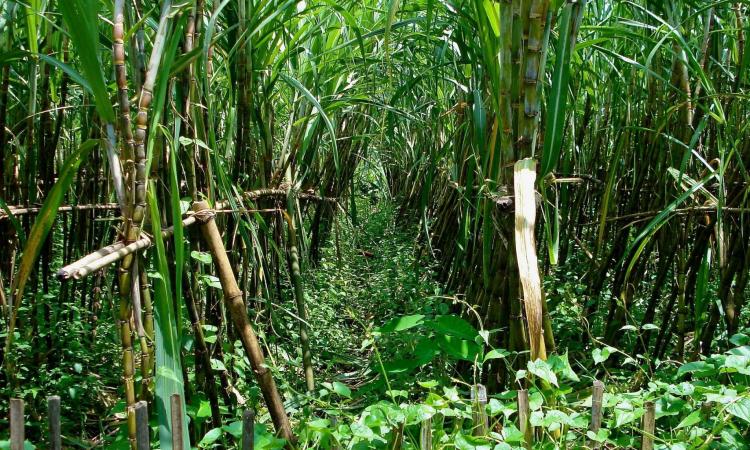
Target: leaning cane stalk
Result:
[238, 313]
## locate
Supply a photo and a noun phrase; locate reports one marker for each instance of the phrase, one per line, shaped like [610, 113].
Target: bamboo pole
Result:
[236, 307]
[23, 210]
[147, 365]
[113, 253]
[259, 194]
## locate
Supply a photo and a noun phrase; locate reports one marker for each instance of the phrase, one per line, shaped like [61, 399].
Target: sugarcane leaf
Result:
[558, 98]
[329, 124]
[80, 17]
[32, 27]
[178, 236]
[493, 16]
[636, 247]
[168, 365]
[393, 6]
[69, 70]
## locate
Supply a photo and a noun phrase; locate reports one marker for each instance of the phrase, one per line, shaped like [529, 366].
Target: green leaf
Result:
[32, 27]
[738, 363]
[327, 120]
[600, 437]
[467, 442]
[217, 364]
[401, 323]
[625, 416]
[234, 428]
[698, 368]
[69, 70]
[543, 370]
[740, 409]
[491, 8]
[202, 257]
[561, 365]
[81, 21]
[601, 354]
[204, 410]
[558, 98]
[740, 339]
[690, 420]
[168, 366]
[461, 349]
[453, 325]
[496, 354]
[178, 233]
[342, 389]
[212, 436]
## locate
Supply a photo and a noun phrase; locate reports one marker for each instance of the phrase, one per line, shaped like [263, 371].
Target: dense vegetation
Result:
[347, 215]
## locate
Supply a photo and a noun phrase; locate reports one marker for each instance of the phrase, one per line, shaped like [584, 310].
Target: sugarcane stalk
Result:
[121, 78]
[299, 295]
[147, 340]
[123, 323]
[534, 49]
[134, 212]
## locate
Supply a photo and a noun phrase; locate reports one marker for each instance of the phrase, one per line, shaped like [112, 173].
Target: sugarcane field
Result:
[375, 224]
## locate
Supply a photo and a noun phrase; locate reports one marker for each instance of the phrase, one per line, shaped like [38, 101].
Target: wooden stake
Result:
[248, 430]
[236, 307]
[597, 395]
[649, 426]
[523, 417]
[17, 432]
[425, 435]
[53, 417]
[176, 409]
[143, 433]
[479, 411]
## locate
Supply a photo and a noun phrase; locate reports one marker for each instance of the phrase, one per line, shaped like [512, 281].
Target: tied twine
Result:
[205, 215]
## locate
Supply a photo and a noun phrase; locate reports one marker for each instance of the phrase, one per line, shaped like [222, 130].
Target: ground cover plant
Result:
[355, 218]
